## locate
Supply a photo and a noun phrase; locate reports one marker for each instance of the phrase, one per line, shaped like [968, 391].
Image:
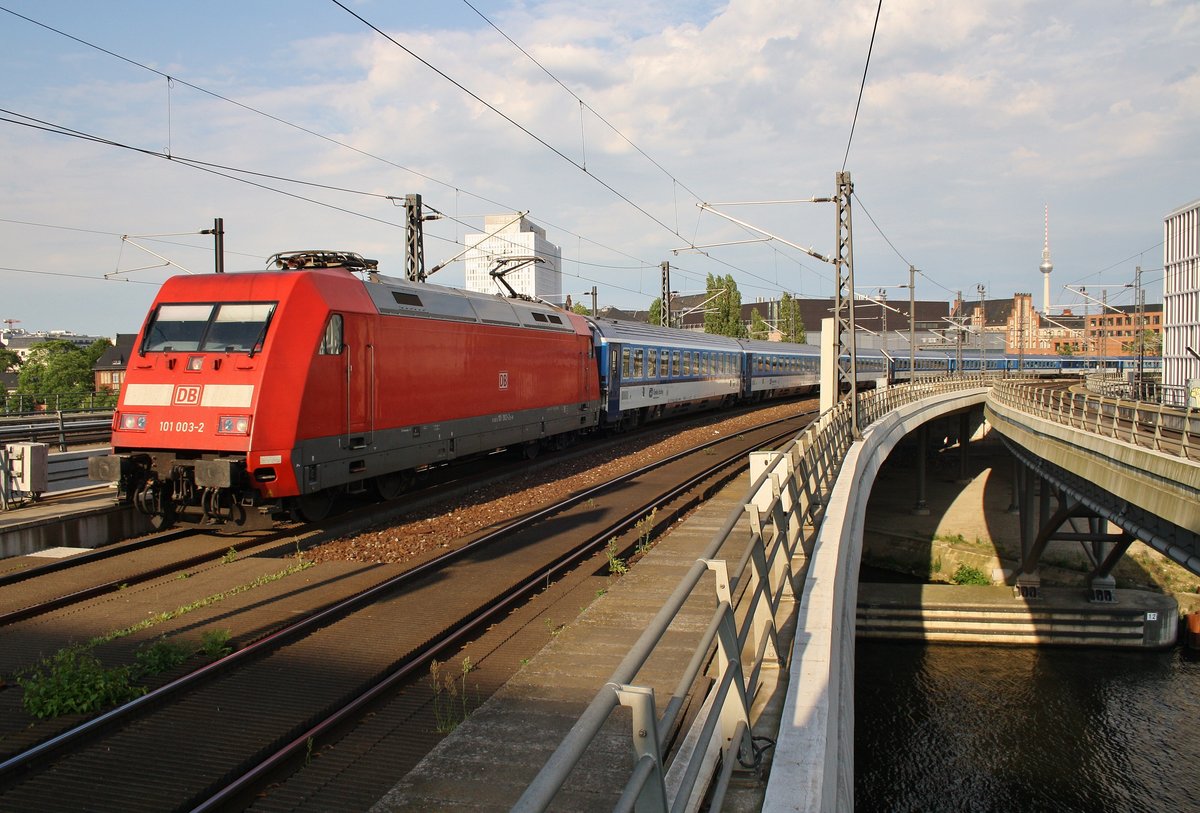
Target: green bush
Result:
[161, 656]
[965, 574]
[215, 643]
[74, 682]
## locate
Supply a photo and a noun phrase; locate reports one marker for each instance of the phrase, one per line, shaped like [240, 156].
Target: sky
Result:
[608, 121]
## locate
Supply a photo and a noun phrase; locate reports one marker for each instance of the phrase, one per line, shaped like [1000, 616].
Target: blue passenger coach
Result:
[777, 369]
[648, 372]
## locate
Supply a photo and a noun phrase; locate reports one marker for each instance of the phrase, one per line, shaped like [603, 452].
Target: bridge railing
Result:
[1148, 425]
[754, 597]
[59, 428]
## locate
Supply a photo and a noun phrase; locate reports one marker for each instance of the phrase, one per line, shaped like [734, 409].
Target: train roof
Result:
[641, 333]
[777, 348]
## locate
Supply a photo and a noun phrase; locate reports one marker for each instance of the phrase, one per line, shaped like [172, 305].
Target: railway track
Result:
[260, 707]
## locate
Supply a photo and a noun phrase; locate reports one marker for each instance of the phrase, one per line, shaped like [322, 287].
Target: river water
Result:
[964, 728]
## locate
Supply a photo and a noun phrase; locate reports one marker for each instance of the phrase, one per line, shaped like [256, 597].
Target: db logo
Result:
[187, 396]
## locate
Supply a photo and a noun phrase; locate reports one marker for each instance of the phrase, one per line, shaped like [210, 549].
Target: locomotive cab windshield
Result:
[227, 327]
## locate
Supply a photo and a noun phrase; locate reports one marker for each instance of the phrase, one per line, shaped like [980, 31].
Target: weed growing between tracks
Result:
[644, 528]
[451, 704]
[74, 681]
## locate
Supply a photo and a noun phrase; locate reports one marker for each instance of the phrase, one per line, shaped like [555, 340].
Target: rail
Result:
[785, 508]
[59, 428]
[1148, 425]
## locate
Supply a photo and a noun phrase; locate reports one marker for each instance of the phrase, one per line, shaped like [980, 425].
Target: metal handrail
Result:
[785, 507]
[60, 428]
[1137, 423]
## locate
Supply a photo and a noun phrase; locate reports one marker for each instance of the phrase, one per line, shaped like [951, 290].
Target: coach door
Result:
[614, 380]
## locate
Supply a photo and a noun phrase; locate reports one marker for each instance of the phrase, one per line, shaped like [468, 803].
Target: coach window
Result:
[626, 362]
[638, 359]
[675, 363]
[331, 339]
[651, 363]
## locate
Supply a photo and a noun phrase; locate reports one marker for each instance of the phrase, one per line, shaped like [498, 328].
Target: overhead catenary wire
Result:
[578, 165]
[863, 85]
[71, 276]
[584, 105]
[641, 262]
[280, 120]
[501, 114]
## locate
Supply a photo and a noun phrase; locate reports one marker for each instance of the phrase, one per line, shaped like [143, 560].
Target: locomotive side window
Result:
[331, 339]
[239, 328]
[177, 327]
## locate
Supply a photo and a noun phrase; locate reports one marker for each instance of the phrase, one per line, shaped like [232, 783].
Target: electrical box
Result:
[27, 463]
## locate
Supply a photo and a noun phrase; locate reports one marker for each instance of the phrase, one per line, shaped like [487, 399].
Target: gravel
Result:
[441, 525]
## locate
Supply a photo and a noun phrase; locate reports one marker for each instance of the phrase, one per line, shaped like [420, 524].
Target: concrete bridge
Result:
[1104, 460]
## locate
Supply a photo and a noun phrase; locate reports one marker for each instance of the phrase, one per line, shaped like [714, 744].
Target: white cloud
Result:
[974, 114]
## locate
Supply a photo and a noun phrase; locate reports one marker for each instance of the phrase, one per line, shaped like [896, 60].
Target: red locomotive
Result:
[269, 393]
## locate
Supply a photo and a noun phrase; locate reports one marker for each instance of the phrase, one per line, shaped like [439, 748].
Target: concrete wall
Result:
[813, 766]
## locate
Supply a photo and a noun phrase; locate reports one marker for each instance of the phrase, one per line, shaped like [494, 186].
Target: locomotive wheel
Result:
[390, 486]
[314, 507]
[530, 450]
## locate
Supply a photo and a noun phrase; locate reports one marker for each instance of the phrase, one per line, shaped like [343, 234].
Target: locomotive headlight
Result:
[233, 425]
[133, 423]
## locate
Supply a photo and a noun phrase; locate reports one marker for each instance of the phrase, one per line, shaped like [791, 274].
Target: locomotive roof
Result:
[403, 298]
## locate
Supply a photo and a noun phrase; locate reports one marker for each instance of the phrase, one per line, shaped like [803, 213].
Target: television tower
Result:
[1046, 267]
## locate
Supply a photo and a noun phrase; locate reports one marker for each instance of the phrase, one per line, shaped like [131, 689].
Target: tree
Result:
[655, 313]
[723, 313]
[759, 329]
[791, 323]
[59, 368]
[581, 309]
[9, 360]
[95, 350]
[1152, 344]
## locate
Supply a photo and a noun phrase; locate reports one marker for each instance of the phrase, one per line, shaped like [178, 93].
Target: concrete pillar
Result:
[1029, 584]
[1104, 586]
[829, 362]
[964, 442]
[1013, 500]
[921, 508]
